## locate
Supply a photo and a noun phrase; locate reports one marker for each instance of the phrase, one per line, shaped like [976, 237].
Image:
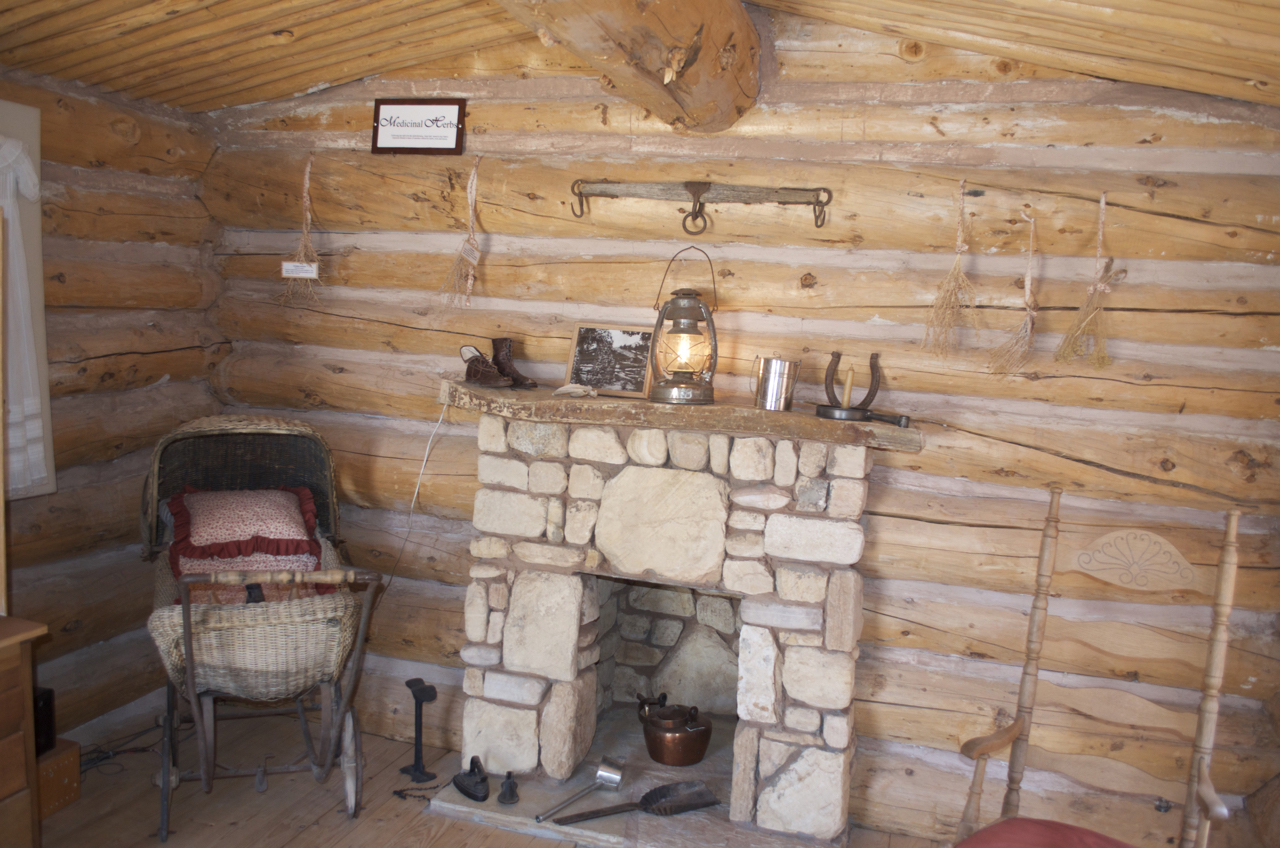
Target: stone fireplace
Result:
[706, 552]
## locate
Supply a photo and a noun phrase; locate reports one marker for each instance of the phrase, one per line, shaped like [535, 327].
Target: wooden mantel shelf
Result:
[540, 405]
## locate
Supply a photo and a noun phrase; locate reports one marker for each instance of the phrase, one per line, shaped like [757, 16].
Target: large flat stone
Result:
[502, 471]
[552, 555]
[509, 513]
[660, 599]
[665, 522]
[500, 686]
[717, 613]
[541, 633]
[751, 459]
[759, 675]
[813, 539]
[504, 738]
[700, 671]
[822, 679]
[748, 576]
[538, 439]
[568, 724]
[768, 611]
[597, 444]
[809, 796]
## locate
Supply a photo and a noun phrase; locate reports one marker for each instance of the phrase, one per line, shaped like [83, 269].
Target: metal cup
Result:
[608, 776]
[775, 382]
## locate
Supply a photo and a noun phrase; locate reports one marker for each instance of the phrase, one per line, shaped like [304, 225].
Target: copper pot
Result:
[674, 734]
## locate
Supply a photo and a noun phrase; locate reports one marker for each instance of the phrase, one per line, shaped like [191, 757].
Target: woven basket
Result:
[260, 652]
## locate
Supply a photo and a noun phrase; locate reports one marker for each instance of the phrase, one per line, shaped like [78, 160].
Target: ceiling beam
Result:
[695, 64]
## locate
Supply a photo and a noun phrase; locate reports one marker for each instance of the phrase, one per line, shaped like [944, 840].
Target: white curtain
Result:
[26, 466]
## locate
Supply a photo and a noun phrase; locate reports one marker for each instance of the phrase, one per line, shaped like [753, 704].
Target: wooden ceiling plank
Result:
[350, 22]
[693, 63]
[83, 15]
[358, 67]
[15, 15]
[362, 37]
[1109, 67]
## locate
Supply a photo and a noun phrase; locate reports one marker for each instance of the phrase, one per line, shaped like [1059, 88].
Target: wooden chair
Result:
[1111, 558]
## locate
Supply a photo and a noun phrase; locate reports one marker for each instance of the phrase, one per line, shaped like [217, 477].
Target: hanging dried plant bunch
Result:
[953, 305]
[303, 288]
[461, 280]
[1013, 354]
[1087, 336]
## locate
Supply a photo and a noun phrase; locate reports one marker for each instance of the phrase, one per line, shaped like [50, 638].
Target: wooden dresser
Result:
[19, 810]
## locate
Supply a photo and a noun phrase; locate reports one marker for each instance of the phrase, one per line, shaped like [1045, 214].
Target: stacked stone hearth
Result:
[617, 560]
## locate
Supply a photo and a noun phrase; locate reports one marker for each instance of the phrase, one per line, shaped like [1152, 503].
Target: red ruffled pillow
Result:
[251, 530]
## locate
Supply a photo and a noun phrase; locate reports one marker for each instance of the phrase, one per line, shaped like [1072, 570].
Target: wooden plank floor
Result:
[120, 808]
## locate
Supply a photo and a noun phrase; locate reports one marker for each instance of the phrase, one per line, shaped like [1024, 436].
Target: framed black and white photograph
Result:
[425, 126]
[611, 359]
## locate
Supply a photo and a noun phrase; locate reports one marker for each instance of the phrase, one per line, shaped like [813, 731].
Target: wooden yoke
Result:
[1203, 804]
[1019, 732]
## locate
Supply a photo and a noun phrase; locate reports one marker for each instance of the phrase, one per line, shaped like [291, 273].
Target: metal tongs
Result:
[841, 411]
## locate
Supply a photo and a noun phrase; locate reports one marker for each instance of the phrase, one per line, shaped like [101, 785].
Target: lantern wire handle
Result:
[714, 293]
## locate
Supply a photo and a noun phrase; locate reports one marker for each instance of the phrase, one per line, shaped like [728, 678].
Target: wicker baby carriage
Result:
[307, 649]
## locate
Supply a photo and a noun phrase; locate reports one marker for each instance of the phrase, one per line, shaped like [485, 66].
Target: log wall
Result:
[1180, 427]
[128, 282]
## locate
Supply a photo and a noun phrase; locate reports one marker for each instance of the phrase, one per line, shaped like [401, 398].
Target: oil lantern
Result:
[682, 354]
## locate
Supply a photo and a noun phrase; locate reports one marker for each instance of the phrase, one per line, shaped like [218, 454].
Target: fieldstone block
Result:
[588, 657]
[811, 494]
[823, 679]
[768, 611]
[849, 461]
[785, 463]
[748, 576]
[604, 672]
[759, 675]
[490, 547]
[538, 439]
[587, 634]
[813, 539]
[568, 725]
[590, 599]
[773, 756]
[689, 451]
[597, 444]
[627, 682]
[702, 671]
[761, 497]
[844, 611]
[742, 792]
[491, 436]
[552, 555]
[848, 498]
[585, 481]
[639, 654]
[751, 459]
[813, 458]
[659, 599]
[499, 593]
[666, 632]
[497, 619]
[502, 471]
[634, 627]
[473, 682]
[803, 719]
[803, 583]
[581, 522]
[796, 637]
[792, 737]
[480, 655]
[745, 519]
[500, 686]
[547, 478]
[541, 632]
[744, 545]
[509, 513]
[647, 447]
[504, 738]
[608, 614]
[609, 644]
[809, 796]
[717, 613]
[837, 729]
[475, 613]
[718, 452]
[666, 522]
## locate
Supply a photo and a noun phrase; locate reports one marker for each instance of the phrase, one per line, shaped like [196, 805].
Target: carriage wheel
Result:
[352, 762]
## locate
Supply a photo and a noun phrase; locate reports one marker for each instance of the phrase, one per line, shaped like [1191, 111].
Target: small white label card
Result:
[470, 253]
[303, 270]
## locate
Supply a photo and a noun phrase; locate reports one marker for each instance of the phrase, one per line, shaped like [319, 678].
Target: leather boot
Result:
[482, 372]
[507, 366]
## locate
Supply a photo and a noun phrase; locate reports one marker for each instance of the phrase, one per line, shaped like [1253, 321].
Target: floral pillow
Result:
[258, 530]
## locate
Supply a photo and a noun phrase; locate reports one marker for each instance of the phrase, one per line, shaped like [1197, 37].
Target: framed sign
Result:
[611, 359]
[419, 126]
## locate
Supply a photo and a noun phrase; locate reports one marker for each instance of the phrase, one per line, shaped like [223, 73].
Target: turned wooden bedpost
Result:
[1031, 668]
[1200, 792]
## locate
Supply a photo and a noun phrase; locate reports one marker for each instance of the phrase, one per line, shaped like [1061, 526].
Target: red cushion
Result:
[1039, 833]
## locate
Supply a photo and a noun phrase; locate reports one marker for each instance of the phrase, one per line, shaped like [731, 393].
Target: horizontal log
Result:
[94, 507]
[96, 680]
[103, 284]
[117, 216]
[1140, 309]
[874, 206]
[523, 58]
[382, 324]
[84, 600]
[419, 620]
[434, 549]
[90, 133]
[386, 707]
[118, 349]
[103, 426]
